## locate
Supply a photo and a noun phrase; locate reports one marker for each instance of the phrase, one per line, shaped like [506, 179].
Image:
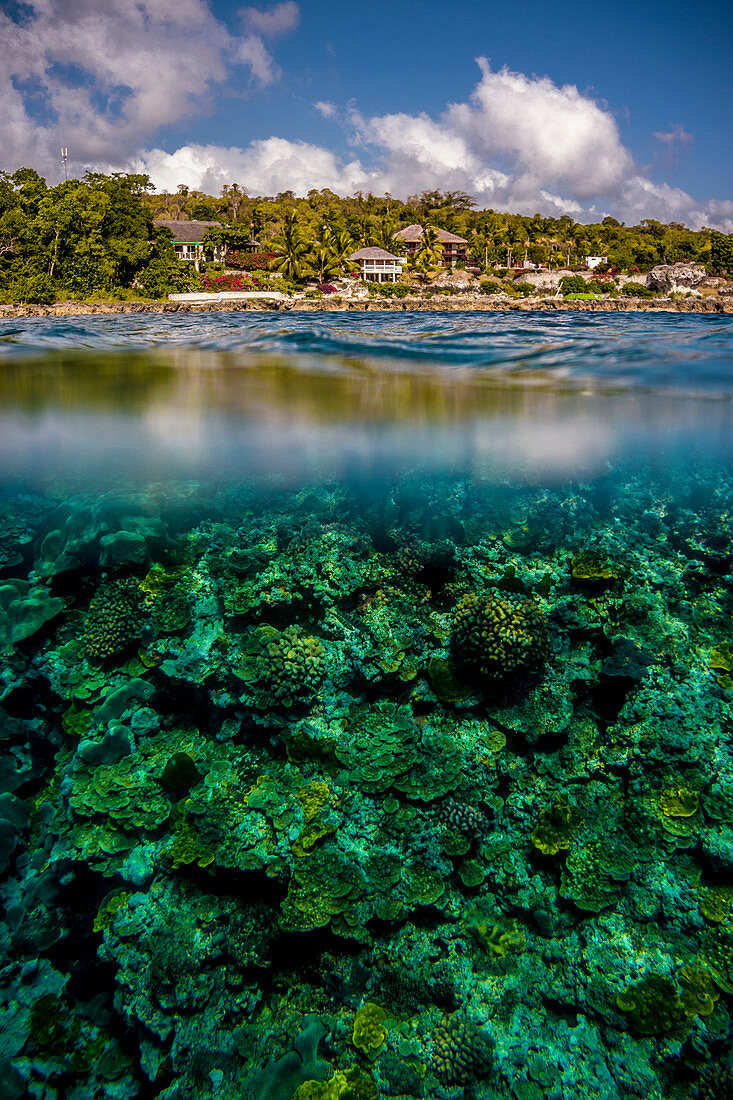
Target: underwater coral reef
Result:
[326, 793]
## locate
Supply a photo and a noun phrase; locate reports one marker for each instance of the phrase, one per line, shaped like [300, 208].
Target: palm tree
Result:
[324, 263]
[328, 256]
[516, 239]
[382, 234]
[429, 257]
[342, 246]
[291, 247]
[430, 252]
[481, 246]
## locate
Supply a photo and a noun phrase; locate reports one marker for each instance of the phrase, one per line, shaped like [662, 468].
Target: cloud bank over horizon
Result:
[114, 76]
[520, 144]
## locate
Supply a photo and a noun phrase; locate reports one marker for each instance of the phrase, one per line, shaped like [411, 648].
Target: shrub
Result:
[250, 261]
[489, 286]
[213, 283]
[38, 289]
[573, 284]
[525, 289]
[391, 290]
[595, 286]
[637, 290]
[314, 293]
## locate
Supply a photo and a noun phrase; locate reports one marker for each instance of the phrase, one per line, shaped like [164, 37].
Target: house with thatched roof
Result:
[454, 247]
[187, 239]
[376, 265]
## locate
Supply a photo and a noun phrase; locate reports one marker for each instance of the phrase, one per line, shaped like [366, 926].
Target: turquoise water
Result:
[365, 706]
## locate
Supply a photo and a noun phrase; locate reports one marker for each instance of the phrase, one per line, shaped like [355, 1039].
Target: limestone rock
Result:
[672, 277]
[454, 278]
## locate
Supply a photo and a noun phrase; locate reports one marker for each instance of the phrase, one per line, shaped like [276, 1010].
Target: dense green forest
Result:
[95, 237]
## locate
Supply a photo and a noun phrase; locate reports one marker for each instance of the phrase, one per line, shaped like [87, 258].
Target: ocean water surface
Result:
[365, 706]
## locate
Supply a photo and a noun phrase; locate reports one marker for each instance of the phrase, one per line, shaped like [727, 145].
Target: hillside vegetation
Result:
[95, 237]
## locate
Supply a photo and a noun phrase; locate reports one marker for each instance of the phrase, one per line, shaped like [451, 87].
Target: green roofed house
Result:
[376, 265]
[187, 238]
[454, 247]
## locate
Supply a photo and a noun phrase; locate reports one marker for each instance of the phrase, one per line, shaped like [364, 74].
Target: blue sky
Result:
[614, 107]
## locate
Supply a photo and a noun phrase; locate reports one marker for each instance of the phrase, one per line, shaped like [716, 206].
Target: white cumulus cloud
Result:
[519, 143]
[273, 21]
[264, 168]
[101, 78]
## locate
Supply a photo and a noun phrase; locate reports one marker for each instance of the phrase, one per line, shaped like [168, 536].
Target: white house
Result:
[376, 265]
[595, 261]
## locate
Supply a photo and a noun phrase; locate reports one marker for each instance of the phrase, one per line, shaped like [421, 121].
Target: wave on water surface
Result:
[678, 352]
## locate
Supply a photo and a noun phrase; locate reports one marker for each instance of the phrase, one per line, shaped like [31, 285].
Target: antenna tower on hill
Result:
[64, 158]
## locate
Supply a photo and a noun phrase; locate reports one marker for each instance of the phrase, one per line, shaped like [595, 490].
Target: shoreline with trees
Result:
[708, 305]
[92, 245]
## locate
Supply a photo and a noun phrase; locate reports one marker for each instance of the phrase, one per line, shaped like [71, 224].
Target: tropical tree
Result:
[226, 237]
[232, 197]
[292, 249]
[482, 245]
[516, 239]
[721, 253]
[429, 257]
[343, 246]
[430, 252]
[382, 234]
[328, 256]
[324, 263]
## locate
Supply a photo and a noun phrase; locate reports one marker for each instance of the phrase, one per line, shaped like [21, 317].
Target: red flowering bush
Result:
[250, 261]
[214, 284]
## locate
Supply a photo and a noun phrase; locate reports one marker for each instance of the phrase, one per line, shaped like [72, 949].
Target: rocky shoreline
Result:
[489, 303]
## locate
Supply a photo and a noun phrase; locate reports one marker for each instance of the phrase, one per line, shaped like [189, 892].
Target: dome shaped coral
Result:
[282, 666]
[113, 621]
[496, 636]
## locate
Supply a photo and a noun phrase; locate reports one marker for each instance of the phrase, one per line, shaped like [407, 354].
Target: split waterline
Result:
[365, 706]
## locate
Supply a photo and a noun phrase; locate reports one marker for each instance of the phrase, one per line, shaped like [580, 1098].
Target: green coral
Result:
[24, 609]
[113, 620]
[496, 636]
[653, 1005]
[721, 662]
[282, 667]
[383, 747]
[555, 828]
[369, 1033]
[167, 599]
[594, 871]
[460, 1052]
